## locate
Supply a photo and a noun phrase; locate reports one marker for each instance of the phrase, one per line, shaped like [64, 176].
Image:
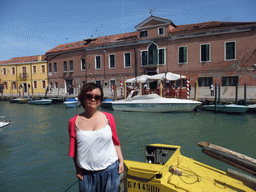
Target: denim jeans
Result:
[107, 180]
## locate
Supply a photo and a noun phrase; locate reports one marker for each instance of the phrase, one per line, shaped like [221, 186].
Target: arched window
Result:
[152, 56]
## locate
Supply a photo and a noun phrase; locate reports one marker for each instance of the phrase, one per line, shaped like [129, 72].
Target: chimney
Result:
[39, 57]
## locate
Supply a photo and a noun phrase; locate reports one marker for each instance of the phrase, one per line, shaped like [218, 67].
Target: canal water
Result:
[34, 147]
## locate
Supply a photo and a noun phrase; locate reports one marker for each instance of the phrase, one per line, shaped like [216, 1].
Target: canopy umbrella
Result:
[168, 76]
[138, 79]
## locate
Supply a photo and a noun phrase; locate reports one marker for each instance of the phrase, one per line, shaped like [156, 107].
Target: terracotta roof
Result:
[93, 42]
[24, 59]
[206, 26]
[132, 36]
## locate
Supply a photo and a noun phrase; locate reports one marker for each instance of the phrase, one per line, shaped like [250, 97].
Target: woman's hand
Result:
[121, 167]
[79, 174]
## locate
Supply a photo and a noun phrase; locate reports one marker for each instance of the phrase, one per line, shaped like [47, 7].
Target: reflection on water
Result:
[34, 147]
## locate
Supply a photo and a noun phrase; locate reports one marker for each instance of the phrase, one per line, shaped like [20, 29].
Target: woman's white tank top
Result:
[95, 149]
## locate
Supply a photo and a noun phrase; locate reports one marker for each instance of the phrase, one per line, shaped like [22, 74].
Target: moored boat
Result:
[71, 103]
[154, 103]
[40, 102]
[107, 103]
[230, 108]
[20, 100]
[252, 108]
[3, 122]
[166, 169]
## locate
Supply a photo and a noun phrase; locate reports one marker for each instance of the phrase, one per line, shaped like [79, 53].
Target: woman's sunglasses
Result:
[89, 97]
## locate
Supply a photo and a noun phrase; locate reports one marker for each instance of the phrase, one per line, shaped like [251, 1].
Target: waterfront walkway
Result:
[227, 94]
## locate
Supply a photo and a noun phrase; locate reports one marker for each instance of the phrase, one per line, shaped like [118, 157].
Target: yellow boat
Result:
[166, 170]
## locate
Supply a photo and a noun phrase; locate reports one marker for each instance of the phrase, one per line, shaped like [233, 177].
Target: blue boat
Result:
[72, 102]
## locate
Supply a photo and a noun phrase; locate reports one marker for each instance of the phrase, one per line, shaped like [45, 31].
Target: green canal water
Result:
[34, 147]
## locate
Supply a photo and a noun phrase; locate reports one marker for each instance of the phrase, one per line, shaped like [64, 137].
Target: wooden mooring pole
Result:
[216, 88]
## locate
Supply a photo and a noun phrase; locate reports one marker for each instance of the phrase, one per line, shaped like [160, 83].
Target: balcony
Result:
[23, 75]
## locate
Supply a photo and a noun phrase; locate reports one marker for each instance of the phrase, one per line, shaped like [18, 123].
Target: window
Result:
[55, 67]
[50, 84]
[43, 68]
[98, 82]
[65, 67]
[183, 54]
[127, 60]
[229, 81]
[144, 58]
[13, 71]
[143, 33]
[5, 85]
[43, 84]
[205, 52]
[152, 54]
[161, 31]
[56, 84]
[204, 81]
[83, 64]
[71, 66]
[97, 62]
[35, 84]
[50, 68]
[4, 71]
[34, 69]
[230, 48]
[112, 82]
[162, 56]
[112, 63]
[14, 85]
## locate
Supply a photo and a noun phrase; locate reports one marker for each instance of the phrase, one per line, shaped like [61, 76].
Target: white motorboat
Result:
[230, 108]
[154, 103]
[107, 103]
[252, 108]
[71, 103]
[3, 122]
[40, 102]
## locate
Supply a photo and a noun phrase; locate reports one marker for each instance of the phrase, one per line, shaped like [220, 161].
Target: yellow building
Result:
[24, 76]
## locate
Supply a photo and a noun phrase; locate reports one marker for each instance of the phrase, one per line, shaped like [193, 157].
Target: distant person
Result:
[212, 90]
[94, 144]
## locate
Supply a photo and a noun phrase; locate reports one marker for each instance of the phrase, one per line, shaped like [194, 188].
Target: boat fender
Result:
[175, 171]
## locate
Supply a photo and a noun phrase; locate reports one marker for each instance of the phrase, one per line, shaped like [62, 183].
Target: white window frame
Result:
[201, 52]
[164, 48]
[225, 51]
[43, 84]
[159, 31]
[130, 60]
[55, 66]
[14, 82]
[179, 55]
[34, 84]
[82, 65]
[14, 71]
[33, 69]
[4, 70]
[65, 71]
[114, 61]
[141, 51]
[42, 69]
[71, 70]
[96, 62]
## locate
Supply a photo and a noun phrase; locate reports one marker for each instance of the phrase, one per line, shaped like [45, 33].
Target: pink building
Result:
[210, 52]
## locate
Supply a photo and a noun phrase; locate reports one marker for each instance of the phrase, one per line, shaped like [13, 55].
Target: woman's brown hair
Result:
[85, 89]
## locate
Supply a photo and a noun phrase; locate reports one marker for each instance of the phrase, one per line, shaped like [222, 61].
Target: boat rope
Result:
[71, 185]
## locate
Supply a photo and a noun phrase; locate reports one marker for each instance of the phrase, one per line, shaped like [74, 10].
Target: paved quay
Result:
[227, 94]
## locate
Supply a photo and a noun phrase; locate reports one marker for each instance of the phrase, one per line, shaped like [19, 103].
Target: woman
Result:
[94, 144]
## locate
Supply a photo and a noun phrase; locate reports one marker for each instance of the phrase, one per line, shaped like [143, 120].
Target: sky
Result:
[33, 27]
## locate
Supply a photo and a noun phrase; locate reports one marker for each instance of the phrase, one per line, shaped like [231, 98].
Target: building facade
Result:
[210, 52]
[24, 76]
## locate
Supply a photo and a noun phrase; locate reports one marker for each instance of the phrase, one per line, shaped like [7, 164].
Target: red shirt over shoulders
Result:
[72, 133]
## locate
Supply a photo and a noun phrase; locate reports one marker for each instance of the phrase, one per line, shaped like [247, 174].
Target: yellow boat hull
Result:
[166, 170]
